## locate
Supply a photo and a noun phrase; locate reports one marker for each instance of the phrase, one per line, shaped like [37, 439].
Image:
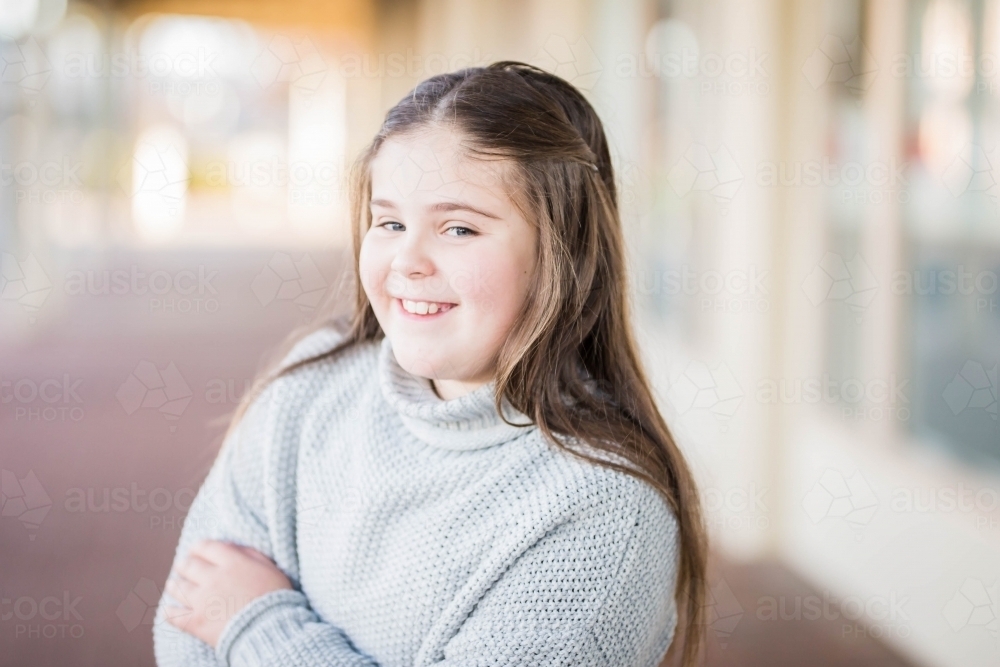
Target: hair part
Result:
[570, 361]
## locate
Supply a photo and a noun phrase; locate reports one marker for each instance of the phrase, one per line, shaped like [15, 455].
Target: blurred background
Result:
[811, 205]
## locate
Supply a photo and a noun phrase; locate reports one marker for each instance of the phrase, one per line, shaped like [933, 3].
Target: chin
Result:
[416, 363]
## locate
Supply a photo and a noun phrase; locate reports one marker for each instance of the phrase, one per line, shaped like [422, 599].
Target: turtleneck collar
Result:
[468, 422]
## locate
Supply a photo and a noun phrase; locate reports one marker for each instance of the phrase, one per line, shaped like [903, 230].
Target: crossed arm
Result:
[217, 580]
[228, 603]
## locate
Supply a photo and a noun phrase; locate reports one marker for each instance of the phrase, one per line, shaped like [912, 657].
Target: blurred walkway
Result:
[120, 467]
[759, 640]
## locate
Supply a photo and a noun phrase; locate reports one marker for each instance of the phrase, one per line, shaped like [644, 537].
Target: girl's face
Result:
[448, 260]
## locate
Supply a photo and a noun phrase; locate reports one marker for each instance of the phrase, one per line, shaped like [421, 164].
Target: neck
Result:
[446, 390]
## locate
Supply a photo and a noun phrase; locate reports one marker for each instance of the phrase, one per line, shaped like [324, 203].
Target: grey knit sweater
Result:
[418, 531]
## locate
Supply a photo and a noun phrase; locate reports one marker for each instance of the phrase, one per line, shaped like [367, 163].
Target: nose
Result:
[412, 258]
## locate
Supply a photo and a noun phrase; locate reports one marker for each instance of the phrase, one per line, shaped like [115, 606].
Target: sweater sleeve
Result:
[596, 590]
[230, 506]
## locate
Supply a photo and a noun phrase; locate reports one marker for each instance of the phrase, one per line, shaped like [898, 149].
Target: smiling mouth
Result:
[425, 308]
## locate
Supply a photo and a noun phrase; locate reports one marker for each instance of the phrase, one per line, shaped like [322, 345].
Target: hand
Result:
[216, 581]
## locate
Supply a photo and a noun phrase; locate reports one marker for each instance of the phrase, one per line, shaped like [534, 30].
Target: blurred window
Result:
[952, 225]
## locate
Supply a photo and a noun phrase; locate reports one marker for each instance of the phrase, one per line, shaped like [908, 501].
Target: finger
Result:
[181, 590]
[177, 616]
[195, 569]
[215, 551]
[256, 555]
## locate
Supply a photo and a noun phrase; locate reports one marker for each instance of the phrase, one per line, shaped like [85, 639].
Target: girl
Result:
[472, 470]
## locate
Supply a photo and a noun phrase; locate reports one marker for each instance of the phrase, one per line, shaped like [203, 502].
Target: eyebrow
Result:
[442, 207]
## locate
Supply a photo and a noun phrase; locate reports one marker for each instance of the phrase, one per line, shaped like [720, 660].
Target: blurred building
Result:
[811, 207]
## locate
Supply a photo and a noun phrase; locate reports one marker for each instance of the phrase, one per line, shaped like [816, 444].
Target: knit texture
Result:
[418, 531]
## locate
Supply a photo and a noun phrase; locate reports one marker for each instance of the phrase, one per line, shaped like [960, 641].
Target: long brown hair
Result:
[573, 338]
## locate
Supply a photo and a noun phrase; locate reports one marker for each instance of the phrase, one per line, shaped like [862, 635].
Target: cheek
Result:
[496, 287]
[372, 265]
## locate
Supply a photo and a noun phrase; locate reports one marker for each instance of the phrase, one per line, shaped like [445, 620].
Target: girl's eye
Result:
[468, 231]
[391, 222]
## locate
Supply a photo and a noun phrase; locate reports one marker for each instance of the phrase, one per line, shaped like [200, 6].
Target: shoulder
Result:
[636, 622]
[620, 499]
[624, 537]
[290, 390]
[320, 340]
[291, 402]
[638, 507]
[318, 345]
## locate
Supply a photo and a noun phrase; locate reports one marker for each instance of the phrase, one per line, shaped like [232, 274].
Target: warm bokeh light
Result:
[159, 182]
[946, 59]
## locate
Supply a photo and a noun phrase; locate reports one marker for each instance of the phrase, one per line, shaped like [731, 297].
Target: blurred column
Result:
[316, 146]
[881, 240]
[620, 29]
[798, 239]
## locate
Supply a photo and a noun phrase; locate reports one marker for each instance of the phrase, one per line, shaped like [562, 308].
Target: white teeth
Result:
[425, 307]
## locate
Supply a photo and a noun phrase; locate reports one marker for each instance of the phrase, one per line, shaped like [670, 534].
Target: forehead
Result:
[436, 163]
